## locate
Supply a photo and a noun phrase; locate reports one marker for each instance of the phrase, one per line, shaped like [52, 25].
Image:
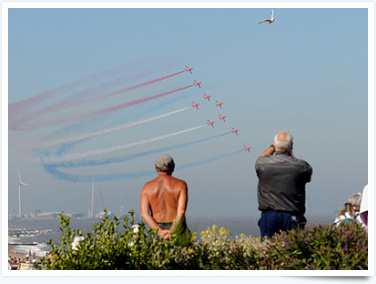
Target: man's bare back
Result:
[164, 200]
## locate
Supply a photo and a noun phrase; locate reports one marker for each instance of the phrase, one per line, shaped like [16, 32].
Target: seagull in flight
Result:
[269, 21]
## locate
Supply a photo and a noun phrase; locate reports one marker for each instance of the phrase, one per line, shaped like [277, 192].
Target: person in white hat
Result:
[364, 207]
[349, 212]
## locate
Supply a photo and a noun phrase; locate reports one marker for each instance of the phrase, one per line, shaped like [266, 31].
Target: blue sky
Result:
[306, 73]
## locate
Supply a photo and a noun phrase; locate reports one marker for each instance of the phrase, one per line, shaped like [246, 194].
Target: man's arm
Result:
[268, 151]
[145, 214]
[182, 205]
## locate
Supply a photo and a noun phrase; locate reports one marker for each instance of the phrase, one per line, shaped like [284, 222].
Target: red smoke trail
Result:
[136, 102]
[50, 122]
[17, 106]
[80, 98]
[71, 101]
[141, 85]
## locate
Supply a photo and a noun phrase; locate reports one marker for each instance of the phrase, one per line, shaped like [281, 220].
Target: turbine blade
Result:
[19, 175]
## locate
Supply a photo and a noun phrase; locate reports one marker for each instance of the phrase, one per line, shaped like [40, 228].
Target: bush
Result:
[322, 247]
[317, 247]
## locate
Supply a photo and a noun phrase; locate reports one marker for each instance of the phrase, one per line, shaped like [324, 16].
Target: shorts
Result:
[272, 222]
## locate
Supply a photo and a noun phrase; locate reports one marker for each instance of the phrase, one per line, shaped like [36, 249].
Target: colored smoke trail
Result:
[208, 160]
[82, 125]
[30, 102]
[125, 105]
[53, 170]
[70, 118]
[119, 159]
[82, 156]
[82, 97]
[142, 84]
[108, 130]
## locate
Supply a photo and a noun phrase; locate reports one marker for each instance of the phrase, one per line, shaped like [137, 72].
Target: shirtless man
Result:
[164, 199]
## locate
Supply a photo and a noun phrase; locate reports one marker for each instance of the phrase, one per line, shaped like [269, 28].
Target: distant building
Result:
[49, 215]
[102, 214]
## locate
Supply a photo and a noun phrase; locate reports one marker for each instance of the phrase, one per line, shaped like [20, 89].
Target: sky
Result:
[99, 94]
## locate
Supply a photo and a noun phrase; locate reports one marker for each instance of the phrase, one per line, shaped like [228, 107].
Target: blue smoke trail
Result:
[110, 118]
[207, 160]
[52, 170]
[118, 159]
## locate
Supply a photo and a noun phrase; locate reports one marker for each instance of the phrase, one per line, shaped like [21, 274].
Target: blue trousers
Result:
[271, 222]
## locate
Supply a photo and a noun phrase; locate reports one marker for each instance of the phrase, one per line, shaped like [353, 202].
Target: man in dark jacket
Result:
[281, 189]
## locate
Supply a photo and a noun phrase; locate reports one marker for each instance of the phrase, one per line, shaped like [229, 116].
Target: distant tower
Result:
[92, 201]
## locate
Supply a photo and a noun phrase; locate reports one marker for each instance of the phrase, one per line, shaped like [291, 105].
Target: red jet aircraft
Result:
[223, 117]
[197, 83]
[247, 148]
[195, 104]
[219, 104]
[187, 69]
[207, 97]
[233, 130]
[211, 123]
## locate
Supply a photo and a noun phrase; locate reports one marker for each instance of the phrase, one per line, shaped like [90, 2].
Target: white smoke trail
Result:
[82, 156]
[105, 131]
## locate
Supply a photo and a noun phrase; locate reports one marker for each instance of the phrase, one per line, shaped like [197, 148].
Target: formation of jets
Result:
[217, 103]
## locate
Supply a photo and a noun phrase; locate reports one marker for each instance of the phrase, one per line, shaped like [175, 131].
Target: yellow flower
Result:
[242, 235]
[223, 230]
[214, 227]
[191, 250]
[203, 234]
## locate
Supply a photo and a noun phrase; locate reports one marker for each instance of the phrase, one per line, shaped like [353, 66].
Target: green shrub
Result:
[323, 247]
[317, 247]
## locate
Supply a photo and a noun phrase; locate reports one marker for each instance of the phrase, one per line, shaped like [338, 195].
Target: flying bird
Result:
[269, 21]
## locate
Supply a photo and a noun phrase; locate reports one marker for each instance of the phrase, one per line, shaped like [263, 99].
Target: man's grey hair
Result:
[283, 140]
[165, 163]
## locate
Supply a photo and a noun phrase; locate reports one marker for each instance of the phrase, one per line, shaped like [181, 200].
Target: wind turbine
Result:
[20, 184]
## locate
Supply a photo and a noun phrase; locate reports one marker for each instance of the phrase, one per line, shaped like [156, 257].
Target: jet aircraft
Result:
[197, 83]
[233, 130]
[211, 123]
[219, 104]
[188, 69]
[207, 97]
[195, 105]
[223, 117]
[247, 148]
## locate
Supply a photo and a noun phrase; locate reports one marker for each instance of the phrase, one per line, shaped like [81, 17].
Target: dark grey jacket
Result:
[282, 181]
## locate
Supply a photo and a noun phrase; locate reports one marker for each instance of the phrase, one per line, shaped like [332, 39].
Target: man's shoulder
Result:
[281, 158]
[179, 181]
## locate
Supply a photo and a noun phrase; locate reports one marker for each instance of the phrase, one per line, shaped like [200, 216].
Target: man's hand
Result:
[269, 151]
[164, 234]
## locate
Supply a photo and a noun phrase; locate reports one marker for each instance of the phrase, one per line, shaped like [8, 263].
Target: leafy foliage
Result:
[136, 247]
[322, 247]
